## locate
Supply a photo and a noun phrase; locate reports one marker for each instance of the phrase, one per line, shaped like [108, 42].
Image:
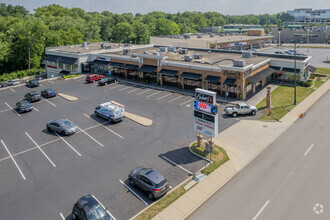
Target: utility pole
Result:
[295, 76]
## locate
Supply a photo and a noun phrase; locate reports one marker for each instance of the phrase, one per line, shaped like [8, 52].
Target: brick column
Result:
[182, 82]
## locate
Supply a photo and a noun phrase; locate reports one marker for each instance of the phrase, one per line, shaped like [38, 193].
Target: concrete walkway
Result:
[259, 96]
[243, 142]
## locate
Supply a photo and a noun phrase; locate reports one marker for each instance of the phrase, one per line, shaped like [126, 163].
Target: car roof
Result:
[154, 175]
[59, 120]
[87, 202]
[34, 93]
[24, 100]
[242, 103]
[49, 89]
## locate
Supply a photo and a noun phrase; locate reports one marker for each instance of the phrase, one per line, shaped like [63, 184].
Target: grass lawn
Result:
[322, 70]
[282, 101]
[219, 156]
[318, 83]
[71, 76]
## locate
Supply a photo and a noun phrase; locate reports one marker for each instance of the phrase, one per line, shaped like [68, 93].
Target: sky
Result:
[226, 7]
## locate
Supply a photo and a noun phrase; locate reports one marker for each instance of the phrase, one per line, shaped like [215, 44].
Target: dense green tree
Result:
[15, 11]
[141, 33]
[164, 26]
[123, 33]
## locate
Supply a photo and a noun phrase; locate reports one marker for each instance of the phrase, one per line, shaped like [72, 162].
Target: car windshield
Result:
[25, 104]
[162, 183]
[96, 213]
[65, 123]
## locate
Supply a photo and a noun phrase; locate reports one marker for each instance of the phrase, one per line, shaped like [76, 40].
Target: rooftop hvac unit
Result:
[186, 36]
[207, 62]
[211, 35]
[163, 49]
[145, 52]
[199, 36]
[84, 44]
[133, 55]
[247, 54]
[187, 58]
[105, 46]
[127, 51]
[198, 56]
[197, 61]
[156, 53]
[126, 44]
[183, 51]
[239, 63]
[171, 49]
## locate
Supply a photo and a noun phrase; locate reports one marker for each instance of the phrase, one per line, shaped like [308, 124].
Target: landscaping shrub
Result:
[312, 76]
[308, 83]
[21, 74]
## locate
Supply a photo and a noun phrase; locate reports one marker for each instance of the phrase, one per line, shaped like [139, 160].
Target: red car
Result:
[93, 77]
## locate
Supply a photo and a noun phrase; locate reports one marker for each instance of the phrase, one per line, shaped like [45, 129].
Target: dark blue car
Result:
[88, 208]
[23, 106]
[48, 93]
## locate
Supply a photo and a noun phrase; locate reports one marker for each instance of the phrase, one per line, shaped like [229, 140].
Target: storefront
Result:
[169, 77]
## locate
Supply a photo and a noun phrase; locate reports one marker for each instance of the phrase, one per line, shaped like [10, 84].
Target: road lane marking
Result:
[154, 94]
[104, 207]
[50, 102]
[13, 160]
[305, 154]
[124, 88]
[116, 86]
[41, 149]
[5, 110]
[187, 101]
[67, 143]
[104, 126]
[12, 109]
[143, 92]
[175, 98]
[163, 96]
[262, 208]
[35, 109]
[62, 216]
[134, 192]
[11, 89]
[177, 165]
[51, 82]
[132, 90]
[90, 137]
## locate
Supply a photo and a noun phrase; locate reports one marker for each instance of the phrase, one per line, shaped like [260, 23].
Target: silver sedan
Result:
[61, 126]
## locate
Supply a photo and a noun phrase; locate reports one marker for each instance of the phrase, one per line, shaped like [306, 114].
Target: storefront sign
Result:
[205, 96]
[235, 75]
[204, 107]
[205, 123]
[101, 58]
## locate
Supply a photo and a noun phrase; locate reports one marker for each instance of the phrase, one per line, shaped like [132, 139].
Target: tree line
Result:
[24, 36]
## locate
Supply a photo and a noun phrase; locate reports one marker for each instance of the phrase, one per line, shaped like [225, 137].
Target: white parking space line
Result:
[305, 154]
[175, 98]
[90, 137]
[163, 96]
[68, 144]
[177, 165]
[13, 160]
[170, 187]
[262, 208]
[11, 89]
[40, 85]
[35, 109]
[13, 109]
[187, 101]
[62, 216]
[104, 208]
[154, 94]
[116, 86]
[41, 149]
[124, 88]
[132, 90]
[143, 92]
[104, 126]
[133, 192]
[5, 110]
[49, 102]
[51, 82]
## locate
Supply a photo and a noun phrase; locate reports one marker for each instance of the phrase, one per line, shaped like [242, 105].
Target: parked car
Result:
[32, 83]
[301, 54]
[88, 208]
[93, 77]
[292, 51]
[112, 111]
[150, 181]
[279, 52]
[3, 84]
[241, 109]
[13, 82]
[23, 106]
[62, 126]
[106, 81]
[288, 52]
[48, 93]
[33, 96]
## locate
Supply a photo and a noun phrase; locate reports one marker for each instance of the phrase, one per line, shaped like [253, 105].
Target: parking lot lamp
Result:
[295, 76]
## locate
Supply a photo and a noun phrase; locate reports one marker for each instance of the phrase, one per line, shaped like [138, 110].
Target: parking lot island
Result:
[68, 97]
[139, 119]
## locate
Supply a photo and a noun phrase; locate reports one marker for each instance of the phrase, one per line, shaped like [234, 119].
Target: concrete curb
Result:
[197, 155]
[68, 97]
[139, 119]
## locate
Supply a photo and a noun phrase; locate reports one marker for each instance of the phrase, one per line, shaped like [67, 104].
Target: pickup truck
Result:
[240, 108]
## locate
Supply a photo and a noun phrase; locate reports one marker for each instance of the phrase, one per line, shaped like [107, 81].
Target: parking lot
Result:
[43, 174]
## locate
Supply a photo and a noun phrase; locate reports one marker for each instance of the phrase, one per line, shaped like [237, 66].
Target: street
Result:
[289, 180]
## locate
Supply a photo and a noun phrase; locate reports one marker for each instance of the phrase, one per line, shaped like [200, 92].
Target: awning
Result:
[130, 67]
[212, 79]
[101, 62]
[147, 68]
[229, 82]
[261, 75]
[276, 68]
[115, 64]
[65, 72]
[291, 70]
[167, 72]
[52, 58]
[193, 76]
[311, 68]
[60, 59]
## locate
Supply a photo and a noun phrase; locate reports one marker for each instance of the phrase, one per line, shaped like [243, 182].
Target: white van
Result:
[111, 110]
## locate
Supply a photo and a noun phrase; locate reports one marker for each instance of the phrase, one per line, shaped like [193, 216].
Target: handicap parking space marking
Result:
[12, 109]
[176, 98]
[187, 101]
[164, 96]
[41, 150]
[132, 191]
[67, 144]
[177, 165]
[153, 94]
[11, 89]
[147, 90]
[104, 126]
[11, 156]
[35, 108]
[104, 207]
[49, 102]
[90, 137]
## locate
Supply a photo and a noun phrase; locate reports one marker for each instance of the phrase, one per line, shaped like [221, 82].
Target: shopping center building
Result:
[240, 73]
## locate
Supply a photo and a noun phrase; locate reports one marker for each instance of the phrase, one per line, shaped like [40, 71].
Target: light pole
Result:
[295, 76]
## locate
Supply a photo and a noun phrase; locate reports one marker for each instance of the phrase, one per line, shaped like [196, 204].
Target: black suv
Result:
[48, 93]
[32, 83]
[88, 208]
[150, 181]
[23, 106]
[106, 81]
[33, 96]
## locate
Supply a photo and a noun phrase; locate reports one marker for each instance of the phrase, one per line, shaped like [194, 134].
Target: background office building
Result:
[308, 15]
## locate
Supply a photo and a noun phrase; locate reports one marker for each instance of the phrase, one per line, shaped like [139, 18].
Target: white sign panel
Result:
[206, 124]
